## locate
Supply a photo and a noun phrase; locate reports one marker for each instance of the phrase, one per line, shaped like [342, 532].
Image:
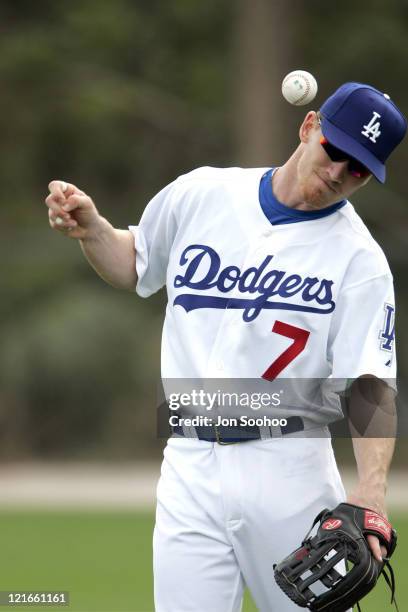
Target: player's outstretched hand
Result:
[71, 211]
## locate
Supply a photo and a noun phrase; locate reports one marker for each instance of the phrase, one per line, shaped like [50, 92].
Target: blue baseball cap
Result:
[365, 123]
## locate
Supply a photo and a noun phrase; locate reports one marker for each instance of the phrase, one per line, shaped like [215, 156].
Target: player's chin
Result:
[319, 197]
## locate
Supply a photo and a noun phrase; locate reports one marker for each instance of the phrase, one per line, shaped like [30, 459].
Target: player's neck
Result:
[286, 188]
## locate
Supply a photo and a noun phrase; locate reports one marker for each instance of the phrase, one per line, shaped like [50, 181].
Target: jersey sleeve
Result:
[153, 240]
[362, 338]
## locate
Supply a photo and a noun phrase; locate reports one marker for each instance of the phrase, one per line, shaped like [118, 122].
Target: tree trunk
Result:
[264, 124]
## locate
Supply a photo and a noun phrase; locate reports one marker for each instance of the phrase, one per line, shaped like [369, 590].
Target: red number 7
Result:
[299, 336]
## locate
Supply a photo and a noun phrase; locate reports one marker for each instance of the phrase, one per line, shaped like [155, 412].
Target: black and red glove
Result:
[311, 575]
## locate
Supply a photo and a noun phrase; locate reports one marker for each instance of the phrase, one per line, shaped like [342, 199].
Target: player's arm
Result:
[372, 413]
[110, 251]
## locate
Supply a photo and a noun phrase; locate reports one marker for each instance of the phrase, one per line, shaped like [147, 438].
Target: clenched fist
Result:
[71, 211]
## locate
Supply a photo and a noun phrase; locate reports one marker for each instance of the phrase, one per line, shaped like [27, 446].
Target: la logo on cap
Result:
[372, 129]
[364, 123]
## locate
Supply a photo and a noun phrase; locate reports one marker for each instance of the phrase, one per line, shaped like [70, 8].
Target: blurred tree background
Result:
[120, 97]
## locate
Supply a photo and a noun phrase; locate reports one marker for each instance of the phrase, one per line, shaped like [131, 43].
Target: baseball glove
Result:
[309, 575]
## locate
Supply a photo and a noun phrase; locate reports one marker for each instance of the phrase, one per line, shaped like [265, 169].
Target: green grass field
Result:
[104, 560]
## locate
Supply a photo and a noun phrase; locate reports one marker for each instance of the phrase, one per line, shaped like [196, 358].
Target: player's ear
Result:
[309, 124]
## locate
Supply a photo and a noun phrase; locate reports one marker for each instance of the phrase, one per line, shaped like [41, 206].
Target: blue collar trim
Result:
[279, 214]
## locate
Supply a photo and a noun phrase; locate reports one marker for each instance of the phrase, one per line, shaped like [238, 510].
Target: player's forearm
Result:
[112, 254]
[373, 458]
[372, 413]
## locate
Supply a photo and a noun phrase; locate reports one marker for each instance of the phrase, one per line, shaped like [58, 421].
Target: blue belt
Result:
[243, 433]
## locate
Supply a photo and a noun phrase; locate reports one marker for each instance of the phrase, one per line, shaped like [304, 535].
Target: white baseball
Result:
[299, 87]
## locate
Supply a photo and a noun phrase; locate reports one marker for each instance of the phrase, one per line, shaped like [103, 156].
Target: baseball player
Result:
[270, 274]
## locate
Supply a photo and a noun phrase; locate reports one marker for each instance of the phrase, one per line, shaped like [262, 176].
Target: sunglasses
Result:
[356, 168]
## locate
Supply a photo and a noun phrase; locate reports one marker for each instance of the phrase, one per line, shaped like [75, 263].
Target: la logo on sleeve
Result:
[387, 334]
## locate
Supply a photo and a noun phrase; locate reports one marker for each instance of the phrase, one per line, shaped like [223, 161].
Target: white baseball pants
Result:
[226, 514]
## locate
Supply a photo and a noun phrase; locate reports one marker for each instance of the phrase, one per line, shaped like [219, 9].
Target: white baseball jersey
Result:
[248, 299]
